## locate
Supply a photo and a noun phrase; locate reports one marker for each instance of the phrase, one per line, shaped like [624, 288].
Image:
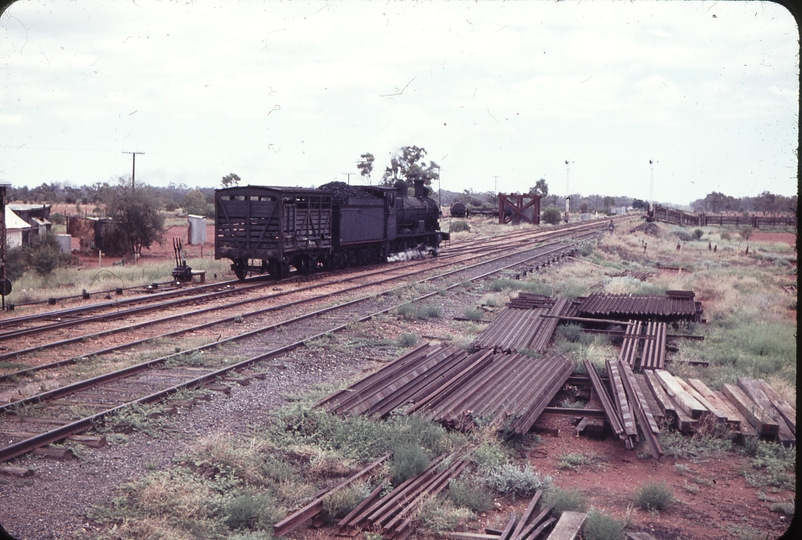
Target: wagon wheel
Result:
[239, 268]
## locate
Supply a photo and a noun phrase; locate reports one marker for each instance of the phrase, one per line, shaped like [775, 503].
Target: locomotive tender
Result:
[268, 228]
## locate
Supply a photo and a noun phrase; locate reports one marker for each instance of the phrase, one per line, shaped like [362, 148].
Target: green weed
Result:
[600, 526]
[562, 500]
[522, 481]
[468, 494]
[654, 496]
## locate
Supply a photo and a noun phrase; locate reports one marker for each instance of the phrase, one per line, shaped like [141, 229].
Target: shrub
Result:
[250, 511]
[489, 456]
[441, 515]
[724, 235]
[600, 526]
[682, 235]
[552, 216]
[571, 332]
[697, 234]
[562, 500]
[509, 478]
[413, 312]
[459, 226]
[338, 504]
[407, 340]
[408, 461]
[473, 314]
[654, 496]
[466, 494]
[746, 232]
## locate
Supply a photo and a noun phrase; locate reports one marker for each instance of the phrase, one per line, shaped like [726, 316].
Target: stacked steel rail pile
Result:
[627, 407]
[673, 305]
[653, 355]
[528, 323]
[455, 388]
[392, 515]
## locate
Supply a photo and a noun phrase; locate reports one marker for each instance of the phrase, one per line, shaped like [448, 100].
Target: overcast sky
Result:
[500, 94]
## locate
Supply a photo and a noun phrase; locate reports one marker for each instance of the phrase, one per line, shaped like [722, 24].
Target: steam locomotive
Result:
[270, 229]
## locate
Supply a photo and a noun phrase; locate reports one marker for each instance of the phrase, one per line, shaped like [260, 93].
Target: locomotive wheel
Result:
[239, 268]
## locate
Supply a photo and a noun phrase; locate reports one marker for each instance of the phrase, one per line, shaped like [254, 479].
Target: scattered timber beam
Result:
[722, 406]
[568, 526]
[754, 414]
[753, 390]
[686, 402]
[786, 410]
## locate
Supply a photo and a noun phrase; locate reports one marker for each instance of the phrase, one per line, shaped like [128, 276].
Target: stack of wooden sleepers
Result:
[751, 407]
[456, 388]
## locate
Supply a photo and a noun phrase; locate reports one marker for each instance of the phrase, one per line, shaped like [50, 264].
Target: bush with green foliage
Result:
[409, 459]
[440, 515]
[467, 494]
[136, 223]
[43, 256]
[459, 225]
[251, 511]
[654, 496]
[746, 232]
[338, 504]
[551, 216]
[697, 234]
[194, 202]
[600, 526]
[407, 340]
[564, 500]
[473, 314]
[521, 481]
[682, 235]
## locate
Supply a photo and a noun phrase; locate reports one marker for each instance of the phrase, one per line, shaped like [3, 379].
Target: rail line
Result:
[120, 314]
[153, 380]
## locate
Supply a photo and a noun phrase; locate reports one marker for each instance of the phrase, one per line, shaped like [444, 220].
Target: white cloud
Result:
[509, 89]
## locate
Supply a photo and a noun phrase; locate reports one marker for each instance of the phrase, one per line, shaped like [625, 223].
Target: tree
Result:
[230, 180]
[194, 202]
[408, 165]
[540, 188]
[365, 165]
[136, 220]
[638, 204]
[552, 216]
[609, 202]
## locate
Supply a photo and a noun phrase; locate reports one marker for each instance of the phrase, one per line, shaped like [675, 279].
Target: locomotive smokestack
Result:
[419, 188]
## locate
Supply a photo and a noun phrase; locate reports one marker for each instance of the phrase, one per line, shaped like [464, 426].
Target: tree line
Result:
[767, 203]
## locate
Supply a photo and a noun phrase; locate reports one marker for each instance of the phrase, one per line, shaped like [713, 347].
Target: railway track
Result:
[37, 342]
[158, 378]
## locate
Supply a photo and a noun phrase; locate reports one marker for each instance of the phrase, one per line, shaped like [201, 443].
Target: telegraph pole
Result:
[567, 192]
[349, 176]
[495, 183]
[133, 168]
